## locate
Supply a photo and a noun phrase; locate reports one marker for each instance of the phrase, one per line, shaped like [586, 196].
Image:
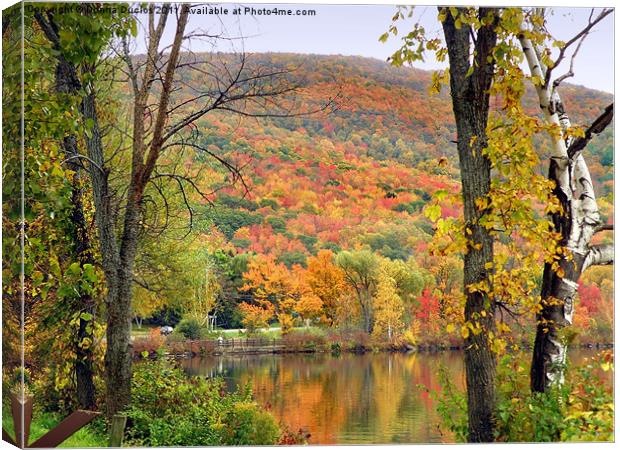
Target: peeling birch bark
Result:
[577, 223]
[599, 255]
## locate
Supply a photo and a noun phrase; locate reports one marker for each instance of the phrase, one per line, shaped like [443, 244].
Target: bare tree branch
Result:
[604, 227]
[86, 158]
[133, 75]
[570, 72]
[597, 127]
[578, 37]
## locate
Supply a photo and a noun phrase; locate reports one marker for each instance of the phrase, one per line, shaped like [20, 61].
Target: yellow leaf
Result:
[464, 332]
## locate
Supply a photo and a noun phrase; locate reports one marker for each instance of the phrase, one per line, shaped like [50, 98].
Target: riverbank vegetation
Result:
[170, 409]
[390, 302]
[581, 409]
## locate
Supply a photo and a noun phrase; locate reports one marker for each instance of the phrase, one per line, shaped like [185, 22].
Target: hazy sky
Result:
[354, 30]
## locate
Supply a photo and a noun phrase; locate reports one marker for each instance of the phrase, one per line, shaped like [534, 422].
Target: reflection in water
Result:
[346, 399]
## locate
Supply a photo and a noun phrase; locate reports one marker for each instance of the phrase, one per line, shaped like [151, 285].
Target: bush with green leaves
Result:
[190, 328]
[581, 409]
[170, 409]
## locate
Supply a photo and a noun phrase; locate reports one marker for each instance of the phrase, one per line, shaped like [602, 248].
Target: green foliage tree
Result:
[361, 268]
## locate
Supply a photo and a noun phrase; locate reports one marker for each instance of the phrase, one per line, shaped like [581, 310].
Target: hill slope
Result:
[360, 174]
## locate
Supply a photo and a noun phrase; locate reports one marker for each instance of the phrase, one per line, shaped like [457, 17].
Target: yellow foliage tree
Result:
[144, 304]
[388, 308]
[255, 317]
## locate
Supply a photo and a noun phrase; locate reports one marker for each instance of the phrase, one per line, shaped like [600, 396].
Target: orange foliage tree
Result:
[286, 291]
[255, 317]
[327, 282]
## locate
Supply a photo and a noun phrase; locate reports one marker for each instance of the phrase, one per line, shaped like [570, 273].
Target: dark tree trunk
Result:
[67, 82]
[83, 251]
[118, 255]
[470, 102]
[118, 267]
[119, 351]
[118, 356]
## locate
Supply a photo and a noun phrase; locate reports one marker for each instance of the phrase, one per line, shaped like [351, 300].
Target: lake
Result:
[346, 399]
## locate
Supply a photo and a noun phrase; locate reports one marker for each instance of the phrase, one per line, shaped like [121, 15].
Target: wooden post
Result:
[65, 429]
[21, 409]
[117, 430]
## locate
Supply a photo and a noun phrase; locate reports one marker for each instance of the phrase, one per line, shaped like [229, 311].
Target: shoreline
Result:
[198, 349]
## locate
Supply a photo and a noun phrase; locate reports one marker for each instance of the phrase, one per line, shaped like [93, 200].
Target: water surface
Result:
[347, 399]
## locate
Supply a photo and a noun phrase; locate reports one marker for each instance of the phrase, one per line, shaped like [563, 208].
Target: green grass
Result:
[274, 333]
[141, 332]
[43, 422]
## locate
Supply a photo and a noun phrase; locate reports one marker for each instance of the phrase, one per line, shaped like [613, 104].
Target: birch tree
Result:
[388, 307]
[204, 291]
[578, 219]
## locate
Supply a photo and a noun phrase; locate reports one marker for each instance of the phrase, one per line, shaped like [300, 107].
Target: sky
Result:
[355, 29]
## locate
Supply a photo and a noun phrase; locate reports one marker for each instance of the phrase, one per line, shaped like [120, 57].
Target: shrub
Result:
[356, 341]
[288, 437]
[190, 328]
[579, 410]
[170, 409]
[246, 423]
[590, 403]
[175, 343]
[411, 336]
[201, 347]
[303, 341]
[150, 344]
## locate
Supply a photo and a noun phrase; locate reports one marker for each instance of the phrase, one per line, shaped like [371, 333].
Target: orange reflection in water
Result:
[372, 398]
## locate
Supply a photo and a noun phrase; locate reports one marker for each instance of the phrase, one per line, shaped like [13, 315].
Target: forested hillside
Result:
[352, 177]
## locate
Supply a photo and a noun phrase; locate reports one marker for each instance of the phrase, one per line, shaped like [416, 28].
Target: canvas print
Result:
[283, 224]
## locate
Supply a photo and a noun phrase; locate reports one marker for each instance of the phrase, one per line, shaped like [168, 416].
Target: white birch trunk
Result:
[578, 224]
